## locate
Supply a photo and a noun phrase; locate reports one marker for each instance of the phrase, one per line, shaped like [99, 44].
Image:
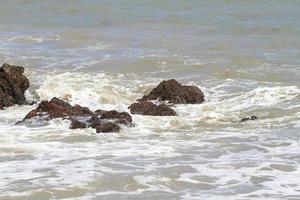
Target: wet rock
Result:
[119, 117]
[57, 108]
[101, 120]
[81, 111]
[108, 127]
[13, 85]
[248, 118]
[76, 124]
[176, 93]
[99, 112]
[149, 108]
[103, 126]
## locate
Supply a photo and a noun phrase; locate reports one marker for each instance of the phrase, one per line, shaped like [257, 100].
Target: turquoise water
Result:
[244, 55]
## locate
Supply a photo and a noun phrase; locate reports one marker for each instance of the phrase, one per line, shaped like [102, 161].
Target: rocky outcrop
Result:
[81, 117]
[149, 108]
[57, 108]
[174, 92]
[13, 85]
[170, 91]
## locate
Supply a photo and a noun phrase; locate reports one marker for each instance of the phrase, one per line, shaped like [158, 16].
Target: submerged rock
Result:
[101, 120]
[76, 124]
[104, 126]
[13, 85]
[248, 118]
[107, 127]
[174, 92]
[118, 117]
[108, 121]
[149, 108]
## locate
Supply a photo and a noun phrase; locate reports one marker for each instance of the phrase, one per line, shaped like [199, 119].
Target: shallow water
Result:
[244, 55]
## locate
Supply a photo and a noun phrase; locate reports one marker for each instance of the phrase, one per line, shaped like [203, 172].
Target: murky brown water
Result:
[244, 55]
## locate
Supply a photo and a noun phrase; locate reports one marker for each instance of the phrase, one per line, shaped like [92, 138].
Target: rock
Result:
[176, 93]
[103, 126]
[107, 127]
[248, 118]
[101, 120]
[170, 91]
[57, 108]
[119, 117]
[81, 111]
[13, 85]
[76, 124]
[149, 108]
[99, 112]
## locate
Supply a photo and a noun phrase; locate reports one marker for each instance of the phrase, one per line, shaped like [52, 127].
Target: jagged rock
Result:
[13, 85]
[170, 91]
[176, 93]
[248, 118]
[149, 108]
[76, 124]
[101, 120]
[57, 108]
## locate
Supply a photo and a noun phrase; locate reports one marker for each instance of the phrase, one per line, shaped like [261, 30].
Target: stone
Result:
[101, 120]
[248, 118]
[149, 108]
[13, 85]
[119, 117]
[174, 92]
[107, 127]
[76, 124]
[104, 126]
[57, 108]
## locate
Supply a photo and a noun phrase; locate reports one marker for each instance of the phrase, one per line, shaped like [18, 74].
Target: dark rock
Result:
[176, 93]
[81, 111]
[253, 118]
[57, 108]
[119, 117]
[13, 85]
[107, 127]
[99, 112]
[149, 108]
[103, 126]
[101, 120]
[76, 124]
[248, 118]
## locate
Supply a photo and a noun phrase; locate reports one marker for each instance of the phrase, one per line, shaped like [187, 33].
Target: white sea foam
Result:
[204, 148]
[88, 90]
[202, 153]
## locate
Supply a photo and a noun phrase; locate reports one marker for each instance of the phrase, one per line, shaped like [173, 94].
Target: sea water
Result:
[244, 55]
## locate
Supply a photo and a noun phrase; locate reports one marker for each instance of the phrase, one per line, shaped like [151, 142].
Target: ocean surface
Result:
[244, 55]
